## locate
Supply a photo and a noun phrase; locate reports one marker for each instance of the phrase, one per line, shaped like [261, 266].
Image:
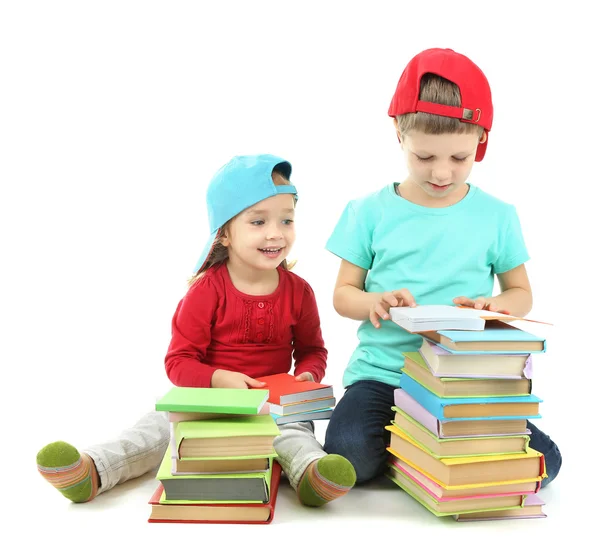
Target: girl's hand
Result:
[224, 379]
[396, 298]
[479, 303]
[306, 376]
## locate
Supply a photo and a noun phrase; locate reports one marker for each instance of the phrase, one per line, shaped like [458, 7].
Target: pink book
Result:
[426, 483]
[409, 405]
[532, 508]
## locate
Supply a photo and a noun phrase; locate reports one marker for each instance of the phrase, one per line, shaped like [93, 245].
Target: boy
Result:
[432, 239]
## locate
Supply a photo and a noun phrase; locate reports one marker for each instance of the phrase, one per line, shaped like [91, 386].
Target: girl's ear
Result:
[483, 137]
[225, 239]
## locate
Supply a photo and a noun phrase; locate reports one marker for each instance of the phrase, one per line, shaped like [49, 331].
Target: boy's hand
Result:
[479, 303]
[306, 376]
[224, 379]
[396, 298]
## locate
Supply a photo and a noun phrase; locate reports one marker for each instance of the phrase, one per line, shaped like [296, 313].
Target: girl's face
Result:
[439, 164]
[262, 236]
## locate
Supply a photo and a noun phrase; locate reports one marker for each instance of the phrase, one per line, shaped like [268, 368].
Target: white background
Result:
[114, 116]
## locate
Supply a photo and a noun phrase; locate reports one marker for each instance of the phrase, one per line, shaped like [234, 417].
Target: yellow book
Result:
[461, 471]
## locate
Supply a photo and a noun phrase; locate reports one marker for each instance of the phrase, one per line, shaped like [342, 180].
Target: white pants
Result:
[141, 448]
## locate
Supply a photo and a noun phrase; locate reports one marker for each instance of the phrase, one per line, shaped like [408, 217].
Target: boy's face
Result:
[262, 236]
[439, 164]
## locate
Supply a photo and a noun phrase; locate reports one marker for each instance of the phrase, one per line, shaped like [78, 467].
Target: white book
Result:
[441, 317]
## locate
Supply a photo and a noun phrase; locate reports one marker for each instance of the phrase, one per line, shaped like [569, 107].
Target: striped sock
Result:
[73, 474]
[326, 479]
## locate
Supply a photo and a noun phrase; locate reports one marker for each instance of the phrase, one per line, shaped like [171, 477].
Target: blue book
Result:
[321, 414]
[472, 408]
[496, 338]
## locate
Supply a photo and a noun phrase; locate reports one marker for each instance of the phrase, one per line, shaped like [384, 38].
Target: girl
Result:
[245, 315]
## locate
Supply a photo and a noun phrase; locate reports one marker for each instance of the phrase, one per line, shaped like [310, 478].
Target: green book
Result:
[223, 437]
[452, 506]
[213, 488]
[219, 401]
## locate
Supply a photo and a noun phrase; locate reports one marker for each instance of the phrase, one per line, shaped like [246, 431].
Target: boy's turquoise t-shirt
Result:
[437, 254]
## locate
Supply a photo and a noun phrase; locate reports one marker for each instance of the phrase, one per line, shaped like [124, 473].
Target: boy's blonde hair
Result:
[219, 252]
[436, 89]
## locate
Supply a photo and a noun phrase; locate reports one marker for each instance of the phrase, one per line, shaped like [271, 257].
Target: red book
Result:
[232, 513]
[284, 389]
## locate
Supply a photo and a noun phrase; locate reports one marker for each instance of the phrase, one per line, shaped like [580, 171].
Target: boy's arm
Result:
[351, 300]
[515, 297]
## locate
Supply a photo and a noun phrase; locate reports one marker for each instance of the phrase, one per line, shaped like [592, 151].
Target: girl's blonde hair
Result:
[219, 252]
[436, 89]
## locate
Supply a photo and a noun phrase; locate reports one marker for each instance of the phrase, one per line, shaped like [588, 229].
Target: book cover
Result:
[220, 465]
[496, 337]
[490, 352]
[434, 317]
[408, 404]
[247, 426]
[449, 507]
[468, 471]
[213, 488]
[442, 493]
[232, 513]
[222, 436]
[444, 363]
[437, 317]
[473, 459]
[459, 446]
[284, 389]
[442, 408]
[457, 387]
[323, 414]
[473, 486]
[301, 407]
[196, 416]
[532, 508]
[220, 401]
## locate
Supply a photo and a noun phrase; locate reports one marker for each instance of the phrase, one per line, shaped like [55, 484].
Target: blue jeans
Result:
[356, 431]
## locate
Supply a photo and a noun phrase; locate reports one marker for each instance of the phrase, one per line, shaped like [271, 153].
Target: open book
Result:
[442, 317]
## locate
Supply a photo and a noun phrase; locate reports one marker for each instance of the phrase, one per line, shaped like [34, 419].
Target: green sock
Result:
[73, 474]
[326, 479]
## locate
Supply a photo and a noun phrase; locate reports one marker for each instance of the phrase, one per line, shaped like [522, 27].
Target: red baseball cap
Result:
[474, 89]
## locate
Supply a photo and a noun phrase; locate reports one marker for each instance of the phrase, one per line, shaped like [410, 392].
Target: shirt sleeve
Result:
[191, 336]
[512, 251]
[309, 349]
[352, 238]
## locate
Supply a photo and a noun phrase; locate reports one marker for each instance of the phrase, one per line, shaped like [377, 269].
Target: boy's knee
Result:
[367, 458]
[553, 460]
[542, 442]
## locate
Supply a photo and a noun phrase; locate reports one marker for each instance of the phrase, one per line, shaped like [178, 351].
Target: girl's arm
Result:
[191, 335]
[309, 349]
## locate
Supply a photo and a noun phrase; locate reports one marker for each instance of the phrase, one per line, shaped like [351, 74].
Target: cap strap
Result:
[464, 114]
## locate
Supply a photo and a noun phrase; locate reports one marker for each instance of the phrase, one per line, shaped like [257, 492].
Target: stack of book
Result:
[459, 440]
[219, 466]
[298, 401]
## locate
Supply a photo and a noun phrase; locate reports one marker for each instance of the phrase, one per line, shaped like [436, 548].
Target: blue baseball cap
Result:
[237, 185]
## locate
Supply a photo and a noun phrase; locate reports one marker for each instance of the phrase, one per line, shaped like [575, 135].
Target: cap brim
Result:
[208, 248]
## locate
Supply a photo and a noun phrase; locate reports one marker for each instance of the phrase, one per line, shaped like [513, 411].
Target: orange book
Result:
[284, 389]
